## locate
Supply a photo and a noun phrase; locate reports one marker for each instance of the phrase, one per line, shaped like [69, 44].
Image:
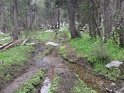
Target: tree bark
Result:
[107, 19]
[15, 30]
[71, 15]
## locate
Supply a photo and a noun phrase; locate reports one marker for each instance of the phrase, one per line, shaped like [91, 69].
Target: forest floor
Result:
[61, 76]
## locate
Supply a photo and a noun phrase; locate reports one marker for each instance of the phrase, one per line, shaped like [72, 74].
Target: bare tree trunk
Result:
[107, 19]
[15, 30]
[29, 15]
[71, 15]
[92, 19]
[58, 21]
[121, 38]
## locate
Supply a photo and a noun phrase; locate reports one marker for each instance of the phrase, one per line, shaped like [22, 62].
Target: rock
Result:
[120, 90]
[49, 31]
[114, 64]
[1, 33]
[52, 43]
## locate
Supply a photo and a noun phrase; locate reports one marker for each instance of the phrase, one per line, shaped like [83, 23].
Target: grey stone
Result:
[114, 64]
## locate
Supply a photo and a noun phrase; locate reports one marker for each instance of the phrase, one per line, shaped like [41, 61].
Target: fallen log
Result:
[4, 45]
[10, 45]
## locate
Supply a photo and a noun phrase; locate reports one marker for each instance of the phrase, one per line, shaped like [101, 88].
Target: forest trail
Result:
[13, 86]
[56, 65]
[32, 68]
[53, 63]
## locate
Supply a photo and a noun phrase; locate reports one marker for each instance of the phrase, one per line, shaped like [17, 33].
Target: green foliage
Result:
[99, 54]
[38, 35]
[81, 87]
[111, 73]
[62, 51]
[31, 85]
[55, 85]
[11, 61]
[6, 37]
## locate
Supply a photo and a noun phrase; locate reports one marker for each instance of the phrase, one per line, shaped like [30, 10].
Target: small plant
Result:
[55, 85]
[81, 87]
[63, 51]
[100, 54]
[31, 85]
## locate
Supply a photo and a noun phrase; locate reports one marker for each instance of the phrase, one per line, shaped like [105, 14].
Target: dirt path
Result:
[19, 81]
[57, 66]
[32, 68]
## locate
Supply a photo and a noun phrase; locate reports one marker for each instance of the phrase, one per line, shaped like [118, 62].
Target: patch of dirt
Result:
[58, 65]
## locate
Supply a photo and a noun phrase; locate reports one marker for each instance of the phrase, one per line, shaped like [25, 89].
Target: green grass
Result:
[6, 37]
[32, 84]
[55, 85]
[11, 61]
[40, 35]
[81, 87]
[99, 55]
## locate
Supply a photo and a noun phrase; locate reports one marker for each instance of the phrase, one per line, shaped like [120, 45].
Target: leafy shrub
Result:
[100, 54]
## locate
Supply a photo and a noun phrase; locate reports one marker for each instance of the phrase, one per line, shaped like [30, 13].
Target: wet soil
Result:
[29, 70]
[56, 65]
[84, 70]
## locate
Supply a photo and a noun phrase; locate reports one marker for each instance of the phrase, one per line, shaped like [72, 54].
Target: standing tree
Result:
[15, 20]
[71, 17]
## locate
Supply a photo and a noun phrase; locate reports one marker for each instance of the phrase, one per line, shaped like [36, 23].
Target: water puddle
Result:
[46, 85]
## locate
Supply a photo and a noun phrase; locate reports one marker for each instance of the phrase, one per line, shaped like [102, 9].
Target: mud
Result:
[29, 70]
[56, 65]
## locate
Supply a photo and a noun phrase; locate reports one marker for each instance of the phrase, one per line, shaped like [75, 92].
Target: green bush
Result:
[100, 54]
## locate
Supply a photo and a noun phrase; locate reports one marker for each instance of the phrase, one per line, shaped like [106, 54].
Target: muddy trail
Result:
[27, 73]
[49, 59]
[68, 73]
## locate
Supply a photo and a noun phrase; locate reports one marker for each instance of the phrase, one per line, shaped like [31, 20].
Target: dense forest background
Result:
[74, 46]
[102, 18]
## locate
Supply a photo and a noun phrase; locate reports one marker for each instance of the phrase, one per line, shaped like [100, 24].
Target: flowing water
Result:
[46, 85]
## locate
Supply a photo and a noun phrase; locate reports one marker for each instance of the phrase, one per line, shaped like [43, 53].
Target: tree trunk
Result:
[92, 19]
[15, 30]
[58, 23]
[71, 15]
[121, 37]
[107, 19]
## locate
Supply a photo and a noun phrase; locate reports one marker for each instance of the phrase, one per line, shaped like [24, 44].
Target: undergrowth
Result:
[11, 61]
[81, 87]
[55, 85]
[99, 54]
[32, 84]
